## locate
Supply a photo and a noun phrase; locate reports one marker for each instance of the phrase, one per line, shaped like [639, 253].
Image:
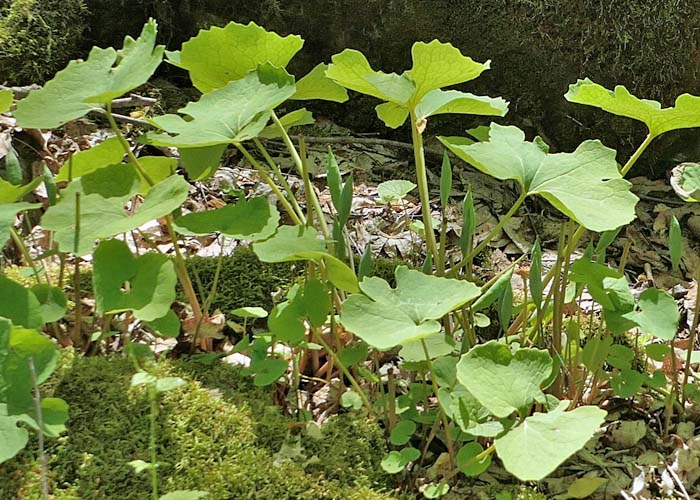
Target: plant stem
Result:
[423, 189]
[691, 342]
[494, 232]
[443, 415]
[346, 372]
[298, 219]
[40, 433]
[635, 156]
[275, 168]
[313, 199]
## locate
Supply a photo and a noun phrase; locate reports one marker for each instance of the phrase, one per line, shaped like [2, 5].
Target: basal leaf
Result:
[151, 279]
[316, 85]
[251, 220]
[232, 114]
[102, 196]
[684, 114]
[504, 382]
[440, 102]
[385, 317]
[393, 191]
[577, 183]
[201, 163]
[85, 85]
[218, 56]
[656, 314]
[534, 449]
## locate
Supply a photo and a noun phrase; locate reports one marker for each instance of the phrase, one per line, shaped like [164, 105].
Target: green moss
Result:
[210, 435]
[38, 37]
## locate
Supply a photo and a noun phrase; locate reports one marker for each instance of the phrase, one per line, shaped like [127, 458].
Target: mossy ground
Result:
[217, 433]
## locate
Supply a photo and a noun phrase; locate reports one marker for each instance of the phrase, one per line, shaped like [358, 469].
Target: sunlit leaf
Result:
[685, 180]
[8, 214]
[316, 85]
[108, 152]
[85, 85]
[6, 97]
[577, 183]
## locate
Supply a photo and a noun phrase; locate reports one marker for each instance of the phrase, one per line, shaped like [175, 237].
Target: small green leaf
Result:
[84, 85]
[392, 192]
[55, 415]
[445, 180]
[436, 490]
[504, 382]
[675, 242]
[366, 267]
[584, 487]
[251, 220]
[10, 193]
[555, 435]
[685, 113]
[466, 463]
[6, 97]
[250, 312]
[402, 432]
[296, 118]
[466, 239]
[627, 383]
[535, 278]
[685, 180]
[8, 214]
[53, 302]
[438, 345]
[165, 384]
[495, 292]
[19, 305]
[656, 314]
[268, 371]
[218, 56]
[12, 437]
[595, 352]
[151, 277]
[575, 183]
[184, 495]
[13, 167]
[351, 399]
[167, 327]
[140, 466]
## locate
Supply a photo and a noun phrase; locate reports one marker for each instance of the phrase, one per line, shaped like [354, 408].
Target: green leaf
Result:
[13, 167]
[83, 85]
[53, 302]
[685, 113]
[466, 239]
[232, 114]
[494, 292]
[396, 461]
[385, 317]
[8, 214]
[466, 463]
[555, 436]
[685, 180]
[584, 487]
[102, 196]
[6, 97]
[55, 415]
[438, 345]
[251, 220]
[351, 399]
[167, 327]
[504, 382]
[535, 278]
[158, 168]
[19, 305]
[296, 118]
[392, 192]
[184, 495]
[151, 279]
[595, 352]
[435, 65]
[656, 314]
[165, 384]
[402, 432]
[201, 163]
[292, 243]
[577, 183]
[436, 490]
[108, 152]
[12, 437]
[627, 383]
[250, 312]
[316, 85]
[218, 56]
[10, 193]
[268, 371]
[140, 466]
[445, 180]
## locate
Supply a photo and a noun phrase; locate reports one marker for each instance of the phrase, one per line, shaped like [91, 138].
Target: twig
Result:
[133, 101]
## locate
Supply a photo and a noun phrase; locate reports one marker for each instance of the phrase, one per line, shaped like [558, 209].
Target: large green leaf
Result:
[684, 114]
[101, 197]
[316, 85]
[218, 56]
[108, 152]
[10, 193]
[292, 243]
[578, 184]
[232, 114]
[13, 439]
[385, 317]
[246, 220]
[534, 449]
[504, 382]
[84, 85]
[435, 65]
[151, 278]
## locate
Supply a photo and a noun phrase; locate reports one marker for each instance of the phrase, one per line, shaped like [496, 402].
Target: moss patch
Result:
[217, 433]
[38, 37]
